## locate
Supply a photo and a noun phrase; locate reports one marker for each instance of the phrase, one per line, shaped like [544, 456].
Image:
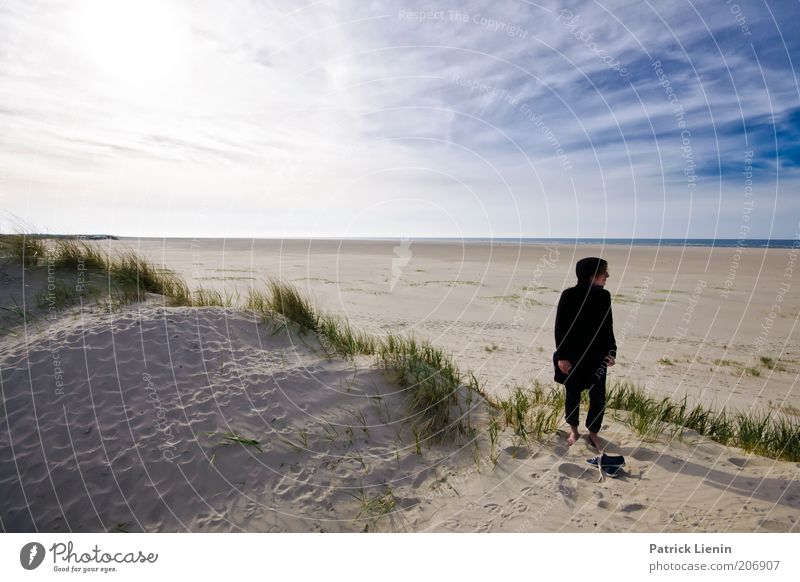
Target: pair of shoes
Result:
[611, 465]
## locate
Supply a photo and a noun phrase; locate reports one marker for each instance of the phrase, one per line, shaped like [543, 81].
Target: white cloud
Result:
[244, 109]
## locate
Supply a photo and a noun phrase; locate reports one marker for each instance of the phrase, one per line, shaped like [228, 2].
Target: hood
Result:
[587, 269]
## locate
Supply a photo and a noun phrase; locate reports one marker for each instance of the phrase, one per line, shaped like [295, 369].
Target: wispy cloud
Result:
[378, 118]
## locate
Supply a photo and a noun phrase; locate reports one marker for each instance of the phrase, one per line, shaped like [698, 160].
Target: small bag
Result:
[558, 376]
[611, 465]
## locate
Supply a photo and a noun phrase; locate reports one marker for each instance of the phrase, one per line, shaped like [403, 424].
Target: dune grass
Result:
[771, 364]
[23, 248]
[230, 438]
[70, 253]
[337, 335]
[14, 315]
[432, 378]
[58, 295]
[534, 414]
[766, 434]
[429, 374]
[212, 298]
[286, 300]
[374, 507]
[515, 411]
[341, 339]
[130, 276]
[137, 276]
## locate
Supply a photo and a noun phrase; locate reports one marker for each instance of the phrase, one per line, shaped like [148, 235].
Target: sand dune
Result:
[130, 439]
[125, 442]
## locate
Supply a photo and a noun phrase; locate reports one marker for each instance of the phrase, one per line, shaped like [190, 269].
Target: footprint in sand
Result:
[515, 508]
[584, 473]
[641, 454]
[566, 491]
[423, 475]
[492, 507]
[561, 449]
[518, 452]
[773, 525]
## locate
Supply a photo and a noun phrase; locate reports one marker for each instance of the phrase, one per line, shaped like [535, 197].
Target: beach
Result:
[494, 306]
[158, 418]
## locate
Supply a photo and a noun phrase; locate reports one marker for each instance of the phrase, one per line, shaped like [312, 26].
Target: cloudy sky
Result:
[498, 118]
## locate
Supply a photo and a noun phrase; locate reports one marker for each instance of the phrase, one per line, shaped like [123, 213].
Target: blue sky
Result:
[509, 118]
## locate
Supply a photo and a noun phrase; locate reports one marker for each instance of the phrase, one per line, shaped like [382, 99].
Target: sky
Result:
[499, 118]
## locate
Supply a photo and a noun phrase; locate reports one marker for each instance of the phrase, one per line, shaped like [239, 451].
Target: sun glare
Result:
[132, 41]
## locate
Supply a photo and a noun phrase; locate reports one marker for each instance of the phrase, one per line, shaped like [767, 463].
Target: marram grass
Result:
[23, 248]
[774, 436]
[70, 253]
[431, 378]
[536, 413]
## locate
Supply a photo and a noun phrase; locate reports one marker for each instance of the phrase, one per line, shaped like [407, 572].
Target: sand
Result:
[116, 421]
[493, 306]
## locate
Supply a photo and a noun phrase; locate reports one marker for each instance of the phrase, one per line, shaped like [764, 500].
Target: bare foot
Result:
[594, 439]
[573, 437]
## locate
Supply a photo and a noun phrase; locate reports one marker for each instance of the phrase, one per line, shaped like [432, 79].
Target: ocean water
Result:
[777, 243]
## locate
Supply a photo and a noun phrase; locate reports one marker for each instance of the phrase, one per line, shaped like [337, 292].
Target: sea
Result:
[776, 243]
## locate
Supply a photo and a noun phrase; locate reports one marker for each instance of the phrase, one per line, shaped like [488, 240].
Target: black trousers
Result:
[591, 377]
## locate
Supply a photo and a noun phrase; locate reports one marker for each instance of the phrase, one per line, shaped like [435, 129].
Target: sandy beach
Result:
[493, 306]
[117, 421]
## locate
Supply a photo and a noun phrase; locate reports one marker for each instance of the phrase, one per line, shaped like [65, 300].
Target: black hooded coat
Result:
[584, 331]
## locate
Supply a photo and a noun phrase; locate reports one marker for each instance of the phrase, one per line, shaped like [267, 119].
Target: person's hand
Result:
[564, 366]
[610, 360]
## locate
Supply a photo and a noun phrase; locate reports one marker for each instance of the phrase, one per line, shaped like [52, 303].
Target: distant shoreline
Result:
[637, 242]
[754, 243]
[76, 236]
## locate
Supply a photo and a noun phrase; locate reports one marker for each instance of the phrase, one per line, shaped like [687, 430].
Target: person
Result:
[585, 345]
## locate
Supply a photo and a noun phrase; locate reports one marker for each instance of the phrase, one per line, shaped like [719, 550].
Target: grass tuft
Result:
[377, 506]
[533, 413]
[229, 438]
[286, 300]
[432, 378]
[71, 253]
[341, 339]
[212, 298]
[23, 249]
[135, 276]
[775, 437]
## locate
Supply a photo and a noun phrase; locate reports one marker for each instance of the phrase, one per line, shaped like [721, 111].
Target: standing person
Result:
[585, 344]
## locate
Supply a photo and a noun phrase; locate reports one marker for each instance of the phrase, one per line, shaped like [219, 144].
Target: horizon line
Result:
[422, 237]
